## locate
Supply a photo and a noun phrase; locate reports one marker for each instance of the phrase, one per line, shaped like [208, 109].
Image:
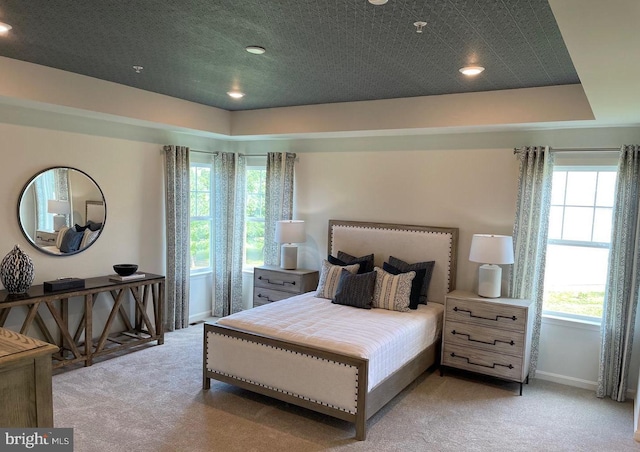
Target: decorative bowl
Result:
[125, 269]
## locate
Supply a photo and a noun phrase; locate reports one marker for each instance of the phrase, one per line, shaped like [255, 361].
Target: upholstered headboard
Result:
[409, 243]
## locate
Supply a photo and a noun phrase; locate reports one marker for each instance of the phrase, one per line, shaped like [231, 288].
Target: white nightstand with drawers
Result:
[271, 283]
[491, 336]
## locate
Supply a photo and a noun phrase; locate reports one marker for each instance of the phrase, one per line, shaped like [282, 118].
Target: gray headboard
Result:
[407, 242]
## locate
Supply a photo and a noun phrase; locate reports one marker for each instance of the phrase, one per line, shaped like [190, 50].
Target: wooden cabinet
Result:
[271, 283]
[46, 238]
[25, 381]
[491, 336]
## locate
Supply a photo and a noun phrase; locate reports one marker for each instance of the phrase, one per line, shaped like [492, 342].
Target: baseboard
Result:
[575, 382]
[199, 317]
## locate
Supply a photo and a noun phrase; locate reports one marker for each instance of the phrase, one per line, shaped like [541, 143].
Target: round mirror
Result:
[62, 211]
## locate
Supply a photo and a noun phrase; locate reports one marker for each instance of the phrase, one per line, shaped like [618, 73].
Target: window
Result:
[579, 240]
[201, 213]
[255, 213]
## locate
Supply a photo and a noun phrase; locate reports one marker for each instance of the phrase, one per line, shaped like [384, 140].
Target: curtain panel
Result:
[229, 182]
[530, 234]
[278, 200]
[177, 228]
[623, 282]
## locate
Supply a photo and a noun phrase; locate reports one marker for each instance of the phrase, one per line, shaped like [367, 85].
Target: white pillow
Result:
[88, 238]
[61, 234]
[330, 277]
[392, 292]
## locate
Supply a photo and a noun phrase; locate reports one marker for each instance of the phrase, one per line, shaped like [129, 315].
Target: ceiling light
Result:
[235, 94]
[378, 2]
[471, 70]
[138, 69]
[4, 28]
[256, 50]
[419, 26]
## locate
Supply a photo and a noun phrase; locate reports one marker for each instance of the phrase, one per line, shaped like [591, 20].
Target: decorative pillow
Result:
[428, 266]
[71, 241]
[355, 290]
[93, 226]
[416, 284]
[330, 277]
[88, 238]
[80, 228]
[366, 262]
[61, 234]
[392, 291]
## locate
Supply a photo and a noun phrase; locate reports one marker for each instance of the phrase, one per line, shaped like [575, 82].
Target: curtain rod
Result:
[516, 150]
[166, 147]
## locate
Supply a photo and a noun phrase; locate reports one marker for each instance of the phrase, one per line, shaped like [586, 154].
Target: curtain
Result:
[530, 234]
[623, 282]
[177, 225]
[279, 200]
[229, 182]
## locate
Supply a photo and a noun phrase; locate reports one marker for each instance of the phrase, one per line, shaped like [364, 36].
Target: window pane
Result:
[581, 188]
[575, 279]
[606, 188]
[203, 179]
[558, 187]
[577, 223]
[555, 222]
[203, 204]
[602, 225]
[254, 245]
[200, 244]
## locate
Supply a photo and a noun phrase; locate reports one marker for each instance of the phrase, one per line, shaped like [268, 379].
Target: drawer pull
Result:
[493, 366]
[266, 297]
[483, 342]
[276, 283]
[457, 309]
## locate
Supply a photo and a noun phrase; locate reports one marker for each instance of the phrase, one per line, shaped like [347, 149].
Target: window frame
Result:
[210, 217]
[245, 266]
[581, 318]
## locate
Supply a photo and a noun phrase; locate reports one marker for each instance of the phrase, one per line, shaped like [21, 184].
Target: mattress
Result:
[388, 339]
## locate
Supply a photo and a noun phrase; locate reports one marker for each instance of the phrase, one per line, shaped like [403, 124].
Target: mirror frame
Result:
[32, 240]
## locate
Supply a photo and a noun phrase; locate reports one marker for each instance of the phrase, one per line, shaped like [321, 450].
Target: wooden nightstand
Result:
[271, 283]
[46, 238]
[491, 336]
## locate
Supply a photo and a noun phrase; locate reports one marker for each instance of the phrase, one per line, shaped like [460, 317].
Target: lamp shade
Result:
[491, 249]
[290, 231]
[58, 207]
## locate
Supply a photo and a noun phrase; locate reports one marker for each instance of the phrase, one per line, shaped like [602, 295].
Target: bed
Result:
[283, 349]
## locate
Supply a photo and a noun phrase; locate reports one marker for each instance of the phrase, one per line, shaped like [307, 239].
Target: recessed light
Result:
[256, 50]
[471, 70]
[4, 28]
[138, 69]
[378, 2]
[235, 94]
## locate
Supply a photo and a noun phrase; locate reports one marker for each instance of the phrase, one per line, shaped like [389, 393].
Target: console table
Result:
[80, 344]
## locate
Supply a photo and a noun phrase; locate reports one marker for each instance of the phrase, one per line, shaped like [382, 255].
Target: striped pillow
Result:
[392, 292]
[330, 277]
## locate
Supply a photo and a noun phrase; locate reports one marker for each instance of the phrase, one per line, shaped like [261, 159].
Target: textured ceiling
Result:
[318, 51]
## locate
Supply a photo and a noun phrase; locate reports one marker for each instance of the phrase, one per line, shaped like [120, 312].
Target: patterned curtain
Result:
[279, 200]
[530, 234]
[623, 282]
[229, 181]
[177, 224]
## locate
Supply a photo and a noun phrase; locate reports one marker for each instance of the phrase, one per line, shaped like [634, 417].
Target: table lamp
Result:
[289, 232]
[489, 250]
[60, 209]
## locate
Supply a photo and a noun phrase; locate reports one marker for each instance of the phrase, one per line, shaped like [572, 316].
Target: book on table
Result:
[126, 278]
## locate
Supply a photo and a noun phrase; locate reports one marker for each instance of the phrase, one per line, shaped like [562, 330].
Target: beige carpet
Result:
[151, 400]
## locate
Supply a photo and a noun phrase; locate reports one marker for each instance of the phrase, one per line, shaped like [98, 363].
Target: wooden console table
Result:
[139, 328]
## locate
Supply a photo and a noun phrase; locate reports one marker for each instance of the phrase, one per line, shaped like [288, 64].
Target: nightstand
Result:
[491, 336]
[271, 283]
[46, 238]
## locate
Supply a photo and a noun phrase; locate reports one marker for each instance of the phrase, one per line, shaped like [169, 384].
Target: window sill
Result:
[551, 319]
[201, 273]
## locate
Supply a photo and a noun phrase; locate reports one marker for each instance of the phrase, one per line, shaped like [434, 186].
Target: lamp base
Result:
[489, 280]
[289, 256]
[59, 222]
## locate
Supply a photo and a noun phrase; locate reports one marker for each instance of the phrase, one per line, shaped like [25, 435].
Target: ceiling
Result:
[317, 51]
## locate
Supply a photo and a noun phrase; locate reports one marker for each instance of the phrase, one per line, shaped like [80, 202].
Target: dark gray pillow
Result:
[71, 241]
[404, 267]
[366, 262]
[355, 290]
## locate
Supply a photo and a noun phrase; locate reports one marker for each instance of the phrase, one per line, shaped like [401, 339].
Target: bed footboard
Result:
[330, 383]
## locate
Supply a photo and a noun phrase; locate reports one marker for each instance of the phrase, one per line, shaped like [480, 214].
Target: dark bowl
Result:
[125, 269]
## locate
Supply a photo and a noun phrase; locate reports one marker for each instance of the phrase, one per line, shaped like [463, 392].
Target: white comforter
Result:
[387, 338]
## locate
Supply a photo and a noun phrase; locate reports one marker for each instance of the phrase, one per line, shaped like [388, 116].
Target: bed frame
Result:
[233, 356]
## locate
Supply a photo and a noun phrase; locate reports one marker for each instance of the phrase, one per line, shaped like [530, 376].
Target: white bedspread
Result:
[387, 338]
